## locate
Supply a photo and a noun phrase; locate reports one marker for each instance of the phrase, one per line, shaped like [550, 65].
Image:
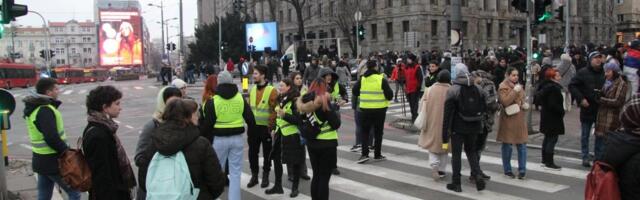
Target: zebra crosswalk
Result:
[405, 174]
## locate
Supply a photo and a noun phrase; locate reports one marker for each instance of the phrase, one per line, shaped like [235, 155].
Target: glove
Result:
[445, 146]
[525, 106]
[517, 88]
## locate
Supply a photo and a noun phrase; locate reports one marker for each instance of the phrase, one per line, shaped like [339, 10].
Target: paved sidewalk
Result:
[22, 183]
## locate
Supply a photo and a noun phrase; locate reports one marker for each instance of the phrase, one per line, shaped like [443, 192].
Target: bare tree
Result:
[272, 9]
[345, 20]
[298, 5]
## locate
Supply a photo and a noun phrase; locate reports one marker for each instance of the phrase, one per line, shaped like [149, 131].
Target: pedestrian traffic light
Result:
[10, 11]
[541, 13]
[52, 53]
[560, 13]
[361, 32]
[41, 53]
[520, 5]
[7, 106]
[173, 46]
[168, 47]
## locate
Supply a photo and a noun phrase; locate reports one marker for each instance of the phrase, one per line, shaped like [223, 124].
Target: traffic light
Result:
[41, 53]
[1, 30]
[52, 53]
[541, 13]
[361, 32]
[560, 13]
[223, 46]
[173, 46]
[520, 5]
[7, 106]
[168, 47]
[10, 11]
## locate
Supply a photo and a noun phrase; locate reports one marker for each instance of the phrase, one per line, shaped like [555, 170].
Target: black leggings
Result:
[261, 137]
[549, 143]
[323, 161]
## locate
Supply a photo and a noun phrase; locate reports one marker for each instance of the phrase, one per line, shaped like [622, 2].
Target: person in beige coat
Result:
[432, 104]
[512, 128]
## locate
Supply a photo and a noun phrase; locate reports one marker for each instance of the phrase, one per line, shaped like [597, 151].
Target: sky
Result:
[82, 10]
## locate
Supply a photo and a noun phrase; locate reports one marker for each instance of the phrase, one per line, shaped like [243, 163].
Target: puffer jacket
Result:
[170, 138]
[583, 86]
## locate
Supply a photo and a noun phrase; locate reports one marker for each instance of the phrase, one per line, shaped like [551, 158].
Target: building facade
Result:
[75, 43]
[416, 25]
[26, 41]
[627, 20]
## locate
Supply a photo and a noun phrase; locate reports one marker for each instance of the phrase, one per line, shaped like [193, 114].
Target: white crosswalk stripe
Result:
[152, 87]
[82, 91]
[138, 88]
[67, 92]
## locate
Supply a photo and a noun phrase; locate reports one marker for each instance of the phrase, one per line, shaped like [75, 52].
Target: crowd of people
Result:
[290, 116]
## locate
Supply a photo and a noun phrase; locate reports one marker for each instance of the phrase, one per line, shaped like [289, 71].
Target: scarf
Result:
[123, 161]
[607, 85]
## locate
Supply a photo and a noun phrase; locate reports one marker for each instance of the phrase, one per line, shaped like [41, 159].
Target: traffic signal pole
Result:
[529, 78]
[567, 24]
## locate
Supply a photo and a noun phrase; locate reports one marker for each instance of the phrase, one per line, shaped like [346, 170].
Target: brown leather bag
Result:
[74, 169]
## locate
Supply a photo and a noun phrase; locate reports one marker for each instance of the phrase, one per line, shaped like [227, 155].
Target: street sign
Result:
[455, 37]
[357, 16]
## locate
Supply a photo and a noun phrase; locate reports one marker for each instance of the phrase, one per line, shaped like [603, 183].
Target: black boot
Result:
[253, 181]
[265, 179]
[276, 189]
[550, 164]
[454, 187]
[294, 188]
[544, 158]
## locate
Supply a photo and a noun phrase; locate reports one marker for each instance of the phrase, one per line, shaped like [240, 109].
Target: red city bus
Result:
[17, 75]
[68, 75]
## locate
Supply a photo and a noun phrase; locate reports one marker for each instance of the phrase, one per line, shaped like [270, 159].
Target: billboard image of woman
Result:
[120, 39]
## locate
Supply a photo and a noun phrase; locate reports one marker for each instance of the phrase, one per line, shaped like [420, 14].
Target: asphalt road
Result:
[404, 175]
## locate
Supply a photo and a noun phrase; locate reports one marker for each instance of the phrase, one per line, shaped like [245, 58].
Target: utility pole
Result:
[181, 36]
[220, 61]
[529, 78]
[47, 40]
[456, 24]
[567, 25]
[162, 26]
[358, 17]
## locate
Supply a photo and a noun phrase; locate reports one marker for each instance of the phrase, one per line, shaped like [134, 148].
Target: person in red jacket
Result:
[413, 79]
[230, 65]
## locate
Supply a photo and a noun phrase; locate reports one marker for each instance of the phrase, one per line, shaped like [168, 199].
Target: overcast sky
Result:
[81, 10]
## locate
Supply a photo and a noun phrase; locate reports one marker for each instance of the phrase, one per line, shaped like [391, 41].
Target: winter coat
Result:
[432, 78]
[452, 122]
[432, 107]
[623, 153]
[567, 71]
[552, 113]
[145, 151]
[292, 147]
[386, 89]
[170, 138]
[226, 91]
[344, 75]
[413, 78]
[46, 123]
[511, 129]
[101, 153]
[310, 103]
[583, 86]
[610, 105]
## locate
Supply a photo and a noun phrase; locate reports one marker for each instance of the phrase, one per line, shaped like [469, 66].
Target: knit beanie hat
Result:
[593, 55]
[225, 77]
[179, 83]
[444, 76]
[630, 115]
[613, 66]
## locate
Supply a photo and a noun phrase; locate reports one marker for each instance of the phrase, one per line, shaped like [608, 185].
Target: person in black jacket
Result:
[316, 108]
[41, 116]
[111, 173]
[179, 132]
[585, 89]
[551, 115]
[432, 76]
[228, 141]
[144, 148]
[372, 117]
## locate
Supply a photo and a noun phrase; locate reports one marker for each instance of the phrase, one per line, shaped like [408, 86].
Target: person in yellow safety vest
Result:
[287, 145]
[225, 115]
[315, 108]
[338, 92]
[263, 99]
[48, 139]
[374, 94]
[296, 77]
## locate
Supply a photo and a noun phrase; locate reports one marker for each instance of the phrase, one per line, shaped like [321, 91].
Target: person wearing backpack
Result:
[464, 110]
[324, 119]
[182, 149]
[484, 80]
[225, 115]
[111, 173]
[374, 94]
[144, 148]
[513, 128]
[47, 136]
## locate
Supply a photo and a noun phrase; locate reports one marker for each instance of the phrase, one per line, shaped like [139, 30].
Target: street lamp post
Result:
[181, 35]
[161, 6]
[47, 40]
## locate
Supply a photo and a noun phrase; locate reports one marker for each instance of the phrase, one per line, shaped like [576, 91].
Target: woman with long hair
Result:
[317, 113]
[209, 87]
[513, 128]
[287, 147]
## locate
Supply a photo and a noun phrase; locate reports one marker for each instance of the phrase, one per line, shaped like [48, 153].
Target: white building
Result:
[26, 41]
[75, 43]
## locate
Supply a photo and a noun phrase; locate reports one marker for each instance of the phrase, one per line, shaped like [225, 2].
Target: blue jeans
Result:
[598, 149]
[231, 148]
[45, 187]
[522, 157]
[584, 138]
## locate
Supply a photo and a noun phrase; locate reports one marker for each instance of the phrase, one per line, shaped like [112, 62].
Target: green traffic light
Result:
[547, 15]
[1, 30]
[536, 56]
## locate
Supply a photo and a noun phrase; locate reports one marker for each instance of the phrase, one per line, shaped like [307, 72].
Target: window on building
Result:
[88, 50]
[464, 28]
[374, 31]
[389, 3]
[620, 18]
[73, 50]
[73, 40]
[75, 60]
[333, 33]
[498, 7]
[389, 30]
[373, 3]
[72, 29]
[485, 4]
[404, 2]
[579, 31]
[281, 16]
[289, 15]
[434, 2]
[489, 30]
[501, 30]
[596, 32]
[464, 3]
[434, 28]
[405, 26]
[331, 8]
[319, 9]
[308, 12]
[448, 2]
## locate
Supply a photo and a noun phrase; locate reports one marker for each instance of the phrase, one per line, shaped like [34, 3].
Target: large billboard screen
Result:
[261, 35]
[120, 38]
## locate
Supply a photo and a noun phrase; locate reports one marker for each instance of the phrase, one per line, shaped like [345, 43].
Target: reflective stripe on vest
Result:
[326, 132]
[371, 95]
[335, 94]
[261, 110]
[38, 145]
[229, 111]
[284, 126]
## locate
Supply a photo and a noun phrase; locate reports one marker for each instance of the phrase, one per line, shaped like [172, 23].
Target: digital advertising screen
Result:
[261, 35]
[120, 38]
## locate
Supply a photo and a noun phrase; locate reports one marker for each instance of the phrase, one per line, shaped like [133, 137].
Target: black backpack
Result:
[471, 106]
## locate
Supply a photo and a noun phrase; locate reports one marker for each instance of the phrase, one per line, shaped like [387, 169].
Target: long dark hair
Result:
[180, 111]
[293, 90]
